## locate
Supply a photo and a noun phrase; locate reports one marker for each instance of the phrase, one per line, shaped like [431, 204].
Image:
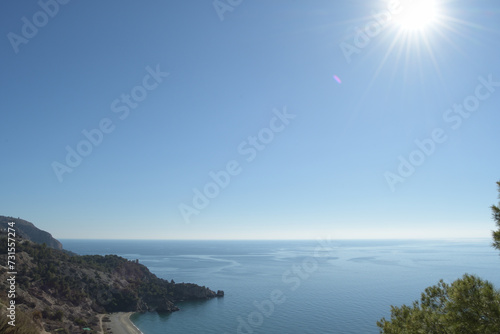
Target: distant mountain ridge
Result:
[28, 231]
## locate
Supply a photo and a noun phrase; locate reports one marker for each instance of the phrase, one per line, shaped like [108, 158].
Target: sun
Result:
[416, 15]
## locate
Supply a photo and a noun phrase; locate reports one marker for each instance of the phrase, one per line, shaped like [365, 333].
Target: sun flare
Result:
[416, 15]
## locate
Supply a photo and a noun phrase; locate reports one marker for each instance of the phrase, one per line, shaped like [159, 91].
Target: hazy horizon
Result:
[345, 239]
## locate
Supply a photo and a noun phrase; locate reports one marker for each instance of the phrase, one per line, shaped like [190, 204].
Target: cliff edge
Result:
[28, 231]
[60, 292]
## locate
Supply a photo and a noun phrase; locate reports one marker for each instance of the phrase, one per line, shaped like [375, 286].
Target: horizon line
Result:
[344, 239]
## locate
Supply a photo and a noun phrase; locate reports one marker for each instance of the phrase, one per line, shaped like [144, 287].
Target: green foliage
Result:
[52, 315]
[469, 305]
[80, 322]
[496, 218]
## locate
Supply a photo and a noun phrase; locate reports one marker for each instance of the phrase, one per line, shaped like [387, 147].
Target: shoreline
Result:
[120, 324]
[132, 323]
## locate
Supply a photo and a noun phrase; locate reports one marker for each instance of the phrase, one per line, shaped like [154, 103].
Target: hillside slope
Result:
[64, 293]
[30, 232]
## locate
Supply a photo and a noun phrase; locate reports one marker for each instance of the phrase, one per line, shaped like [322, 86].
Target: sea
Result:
[316, 286]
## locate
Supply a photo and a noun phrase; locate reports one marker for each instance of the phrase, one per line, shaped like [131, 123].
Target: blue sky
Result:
[323, 170]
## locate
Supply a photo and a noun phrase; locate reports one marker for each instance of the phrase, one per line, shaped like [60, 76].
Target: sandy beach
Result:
[120, 324]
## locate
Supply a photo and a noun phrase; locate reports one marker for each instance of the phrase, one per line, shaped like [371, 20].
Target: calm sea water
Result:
[293, 287]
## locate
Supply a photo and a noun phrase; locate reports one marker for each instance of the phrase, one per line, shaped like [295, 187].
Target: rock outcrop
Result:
[28, 231]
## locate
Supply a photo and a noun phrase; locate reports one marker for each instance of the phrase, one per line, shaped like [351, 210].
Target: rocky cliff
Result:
[63, 293]
[28, 231]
